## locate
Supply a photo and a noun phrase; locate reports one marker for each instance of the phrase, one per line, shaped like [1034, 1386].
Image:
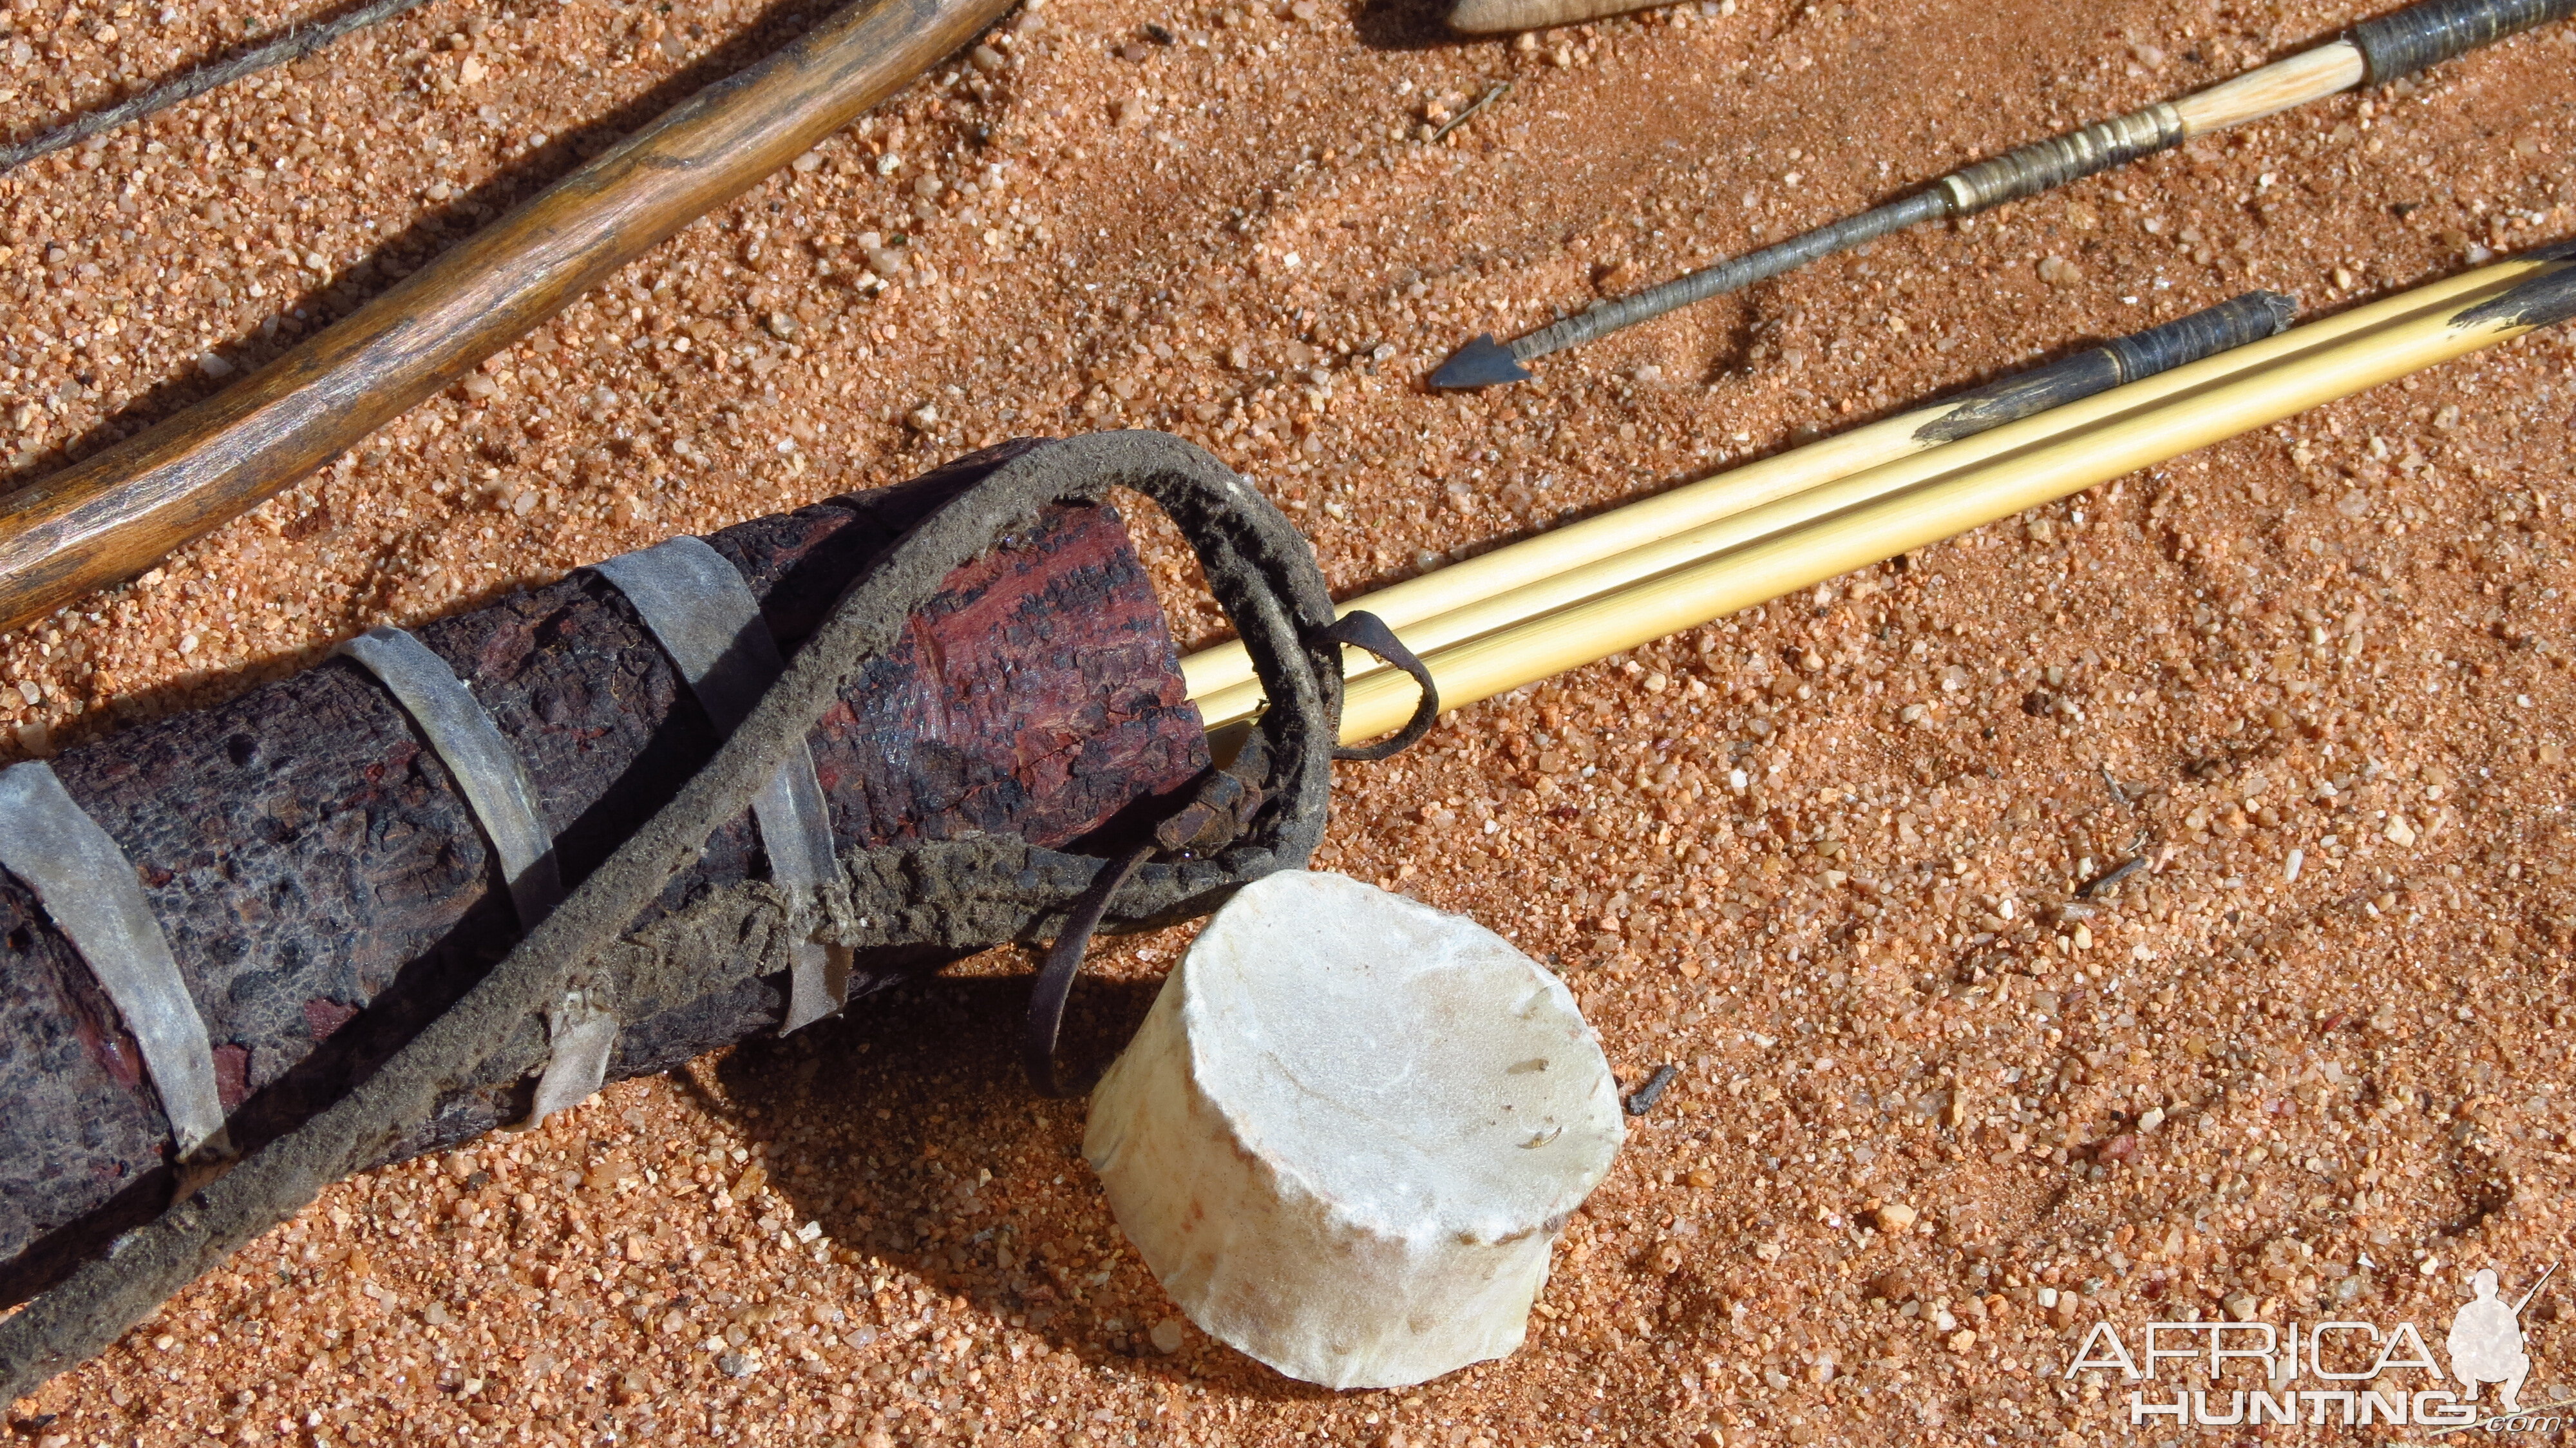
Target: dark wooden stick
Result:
[325, 890]
[112, 516]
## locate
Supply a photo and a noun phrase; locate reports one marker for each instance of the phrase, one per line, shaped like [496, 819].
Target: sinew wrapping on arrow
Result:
[325, 889]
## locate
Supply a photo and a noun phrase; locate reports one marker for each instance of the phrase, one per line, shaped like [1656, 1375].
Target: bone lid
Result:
[1349, 1130]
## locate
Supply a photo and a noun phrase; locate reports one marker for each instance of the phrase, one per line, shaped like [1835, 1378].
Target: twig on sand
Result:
[1460, 119]
[294, 45]
[1647, 1095]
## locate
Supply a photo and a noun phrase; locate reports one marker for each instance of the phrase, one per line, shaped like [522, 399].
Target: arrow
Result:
[2378, 51]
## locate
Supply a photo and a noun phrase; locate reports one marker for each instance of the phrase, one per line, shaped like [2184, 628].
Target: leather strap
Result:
[488, 771]
[89, 887]
[697, 607]
[1054, 984]
[1368, 633]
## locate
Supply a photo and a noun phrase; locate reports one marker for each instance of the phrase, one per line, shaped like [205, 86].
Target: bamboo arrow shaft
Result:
[1213, 671]
[1535, 576]
[2023, 465]
[104, 519]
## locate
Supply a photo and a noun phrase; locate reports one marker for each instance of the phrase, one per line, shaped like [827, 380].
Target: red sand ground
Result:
[1932, 1125]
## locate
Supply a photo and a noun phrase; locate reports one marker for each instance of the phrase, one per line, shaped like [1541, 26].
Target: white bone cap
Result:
[1349, 1131]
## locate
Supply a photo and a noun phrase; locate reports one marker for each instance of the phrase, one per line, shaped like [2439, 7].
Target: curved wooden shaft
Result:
[114, 515]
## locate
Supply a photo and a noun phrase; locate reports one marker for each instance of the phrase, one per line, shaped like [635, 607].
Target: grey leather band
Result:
[704, 616]
[489, 772]
[504, 800]
[582, 1038]
[89, 887]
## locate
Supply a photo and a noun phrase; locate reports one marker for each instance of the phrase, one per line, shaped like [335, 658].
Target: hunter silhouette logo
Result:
[2486, 1340]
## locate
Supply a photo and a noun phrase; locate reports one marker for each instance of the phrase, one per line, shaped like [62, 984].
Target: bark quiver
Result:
[326, 890]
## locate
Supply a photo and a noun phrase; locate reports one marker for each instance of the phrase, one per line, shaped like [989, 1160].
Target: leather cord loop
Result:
[1219, 809]
[1222, 805]
[1369, 634]
[1054, 983]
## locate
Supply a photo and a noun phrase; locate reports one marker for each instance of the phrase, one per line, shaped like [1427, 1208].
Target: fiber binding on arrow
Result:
[2378, 51]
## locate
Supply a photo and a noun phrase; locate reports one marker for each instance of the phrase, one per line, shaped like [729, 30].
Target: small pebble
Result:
[1647, 1095]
